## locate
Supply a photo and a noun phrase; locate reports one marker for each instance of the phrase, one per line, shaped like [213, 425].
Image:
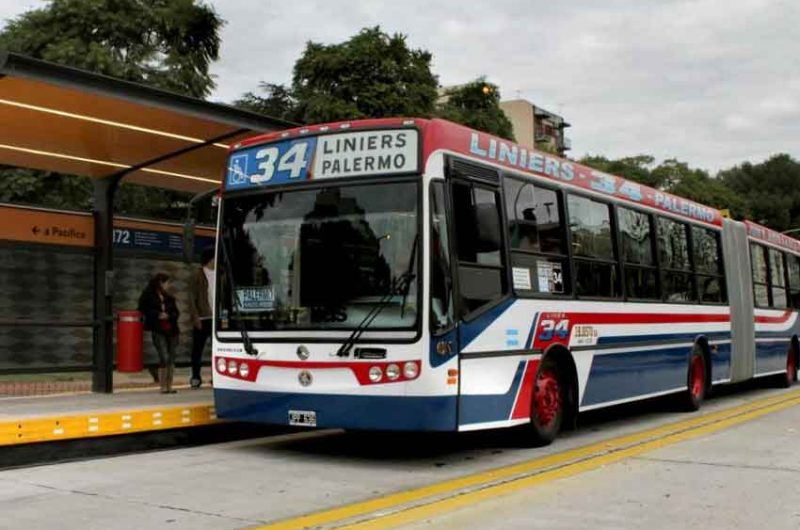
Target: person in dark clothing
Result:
[161, 319]
[202, 301]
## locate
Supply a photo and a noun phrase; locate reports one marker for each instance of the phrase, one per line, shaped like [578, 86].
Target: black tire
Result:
[548, 404]
[787, 379]
[692, 398]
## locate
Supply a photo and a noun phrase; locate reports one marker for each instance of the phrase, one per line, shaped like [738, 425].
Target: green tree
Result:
[169, 44]
[771, 190]
[371, 75]
[477, 105]
[277, 101]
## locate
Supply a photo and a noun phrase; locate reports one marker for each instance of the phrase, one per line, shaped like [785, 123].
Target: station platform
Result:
[25, 420]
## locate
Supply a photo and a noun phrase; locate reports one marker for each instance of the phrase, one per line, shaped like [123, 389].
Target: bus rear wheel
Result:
[695, 392]
[790, 376]
[547, 407]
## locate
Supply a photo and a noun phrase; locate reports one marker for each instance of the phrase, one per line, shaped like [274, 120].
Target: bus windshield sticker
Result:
[522, 278]
[549, 277]
[256, 299]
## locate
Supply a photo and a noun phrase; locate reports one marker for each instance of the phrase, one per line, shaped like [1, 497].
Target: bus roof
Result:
[768, 235]
[444, 135]
[440, 134]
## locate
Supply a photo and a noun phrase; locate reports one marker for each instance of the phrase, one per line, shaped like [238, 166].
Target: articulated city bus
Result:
[409, 274]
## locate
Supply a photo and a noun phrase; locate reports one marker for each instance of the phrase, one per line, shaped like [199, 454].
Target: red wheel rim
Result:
[698, 378]
[547, 398]
[790, 369]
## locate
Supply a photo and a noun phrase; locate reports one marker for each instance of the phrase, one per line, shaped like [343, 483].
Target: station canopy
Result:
[66, 120]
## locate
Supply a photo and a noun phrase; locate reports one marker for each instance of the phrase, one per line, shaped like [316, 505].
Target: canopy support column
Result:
[103, 343]
[103, 212]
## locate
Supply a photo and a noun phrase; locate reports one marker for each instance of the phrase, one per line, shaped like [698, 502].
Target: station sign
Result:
[341, 155]
[33, 225]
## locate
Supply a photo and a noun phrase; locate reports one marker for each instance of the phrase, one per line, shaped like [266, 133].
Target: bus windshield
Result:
[321, 258]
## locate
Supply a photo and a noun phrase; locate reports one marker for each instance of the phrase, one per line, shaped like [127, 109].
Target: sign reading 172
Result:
[277, 163]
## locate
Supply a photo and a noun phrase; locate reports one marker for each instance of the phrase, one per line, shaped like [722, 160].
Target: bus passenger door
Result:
[486, 374]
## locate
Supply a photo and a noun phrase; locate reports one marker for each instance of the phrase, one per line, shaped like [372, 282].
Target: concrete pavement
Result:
[741, 475]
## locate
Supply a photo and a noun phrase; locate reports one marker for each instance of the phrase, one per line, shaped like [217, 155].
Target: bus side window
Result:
[442, 312]
[758, 259]
[476, 217]
[793, 270]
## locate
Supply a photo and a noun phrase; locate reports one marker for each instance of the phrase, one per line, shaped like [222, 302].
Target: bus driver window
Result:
[441, 282]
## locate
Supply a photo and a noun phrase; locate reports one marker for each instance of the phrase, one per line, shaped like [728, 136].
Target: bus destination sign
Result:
[352, 154]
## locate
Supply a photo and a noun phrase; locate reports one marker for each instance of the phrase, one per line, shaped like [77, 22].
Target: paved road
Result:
[735, 476]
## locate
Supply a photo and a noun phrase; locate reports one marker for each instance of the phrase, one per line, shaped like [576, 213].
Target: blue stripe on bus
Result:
[479, 408]
[390, 413]
[625, 375]
[771, 356]
[471, 330]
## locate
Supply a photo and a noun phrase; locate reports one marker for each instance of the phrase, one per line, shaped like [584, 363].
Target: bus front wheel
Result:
[548, 403]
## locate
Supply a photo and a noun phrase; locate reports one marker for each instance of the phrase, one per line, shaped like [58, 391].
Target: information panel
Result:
[351, 154]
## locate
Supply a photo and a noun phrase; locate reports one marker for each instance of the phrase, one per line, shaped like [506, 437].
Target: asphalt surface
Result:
[743, 476]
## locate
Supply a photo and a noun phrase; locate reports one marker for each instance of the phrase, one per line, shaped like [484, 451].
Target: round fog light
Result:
[232, 368]
[392, 372]
[410, 370]
[222, 365]
[375, 374]
[244, 370]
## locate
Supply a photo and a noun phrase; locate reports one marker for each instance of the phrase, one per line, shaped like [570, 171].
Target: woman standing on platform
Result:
[161, 319]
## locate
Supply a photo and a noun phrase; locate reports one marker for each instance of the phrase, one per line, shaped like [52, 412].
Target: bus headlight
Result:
[375, 374]
[232, 367]
[410, 370]
[392, 372]
[244, 370]
[222, 365]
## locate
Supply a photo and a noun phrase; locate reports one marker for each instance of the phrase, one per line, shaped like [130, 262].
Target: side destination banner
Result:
[768, 235]
[351, 154]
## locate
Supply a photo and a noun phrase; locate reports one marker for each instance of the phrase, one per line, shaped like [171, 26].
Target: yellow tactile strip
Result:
[104, 423]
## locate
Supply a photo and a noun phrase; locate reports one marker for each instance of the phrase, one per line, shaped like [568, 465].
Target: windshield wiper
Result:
[401, 285]
[235, 302]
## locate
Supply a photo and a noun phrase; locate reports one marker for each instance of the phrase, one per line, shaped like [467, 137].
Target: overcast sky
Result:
[711, 82]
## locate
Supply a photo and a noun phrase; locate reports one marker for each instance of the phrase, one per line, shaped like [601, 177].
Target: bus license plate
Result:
[303, 418]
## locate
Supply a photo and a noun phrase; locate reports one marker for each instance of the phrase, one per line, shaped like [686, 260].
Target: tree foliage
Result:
[771, 190]
[169, 44]
[371, 75]
[275, 101]
[477, 105]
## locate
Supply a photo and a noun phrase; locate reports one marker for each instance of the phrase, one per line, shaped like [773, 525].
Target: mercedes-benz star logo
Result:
[305, 378]
[303, 353]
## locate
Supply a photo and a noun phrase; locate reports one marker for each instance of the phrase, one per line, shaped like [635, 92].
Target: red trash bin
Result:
[129, 341]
